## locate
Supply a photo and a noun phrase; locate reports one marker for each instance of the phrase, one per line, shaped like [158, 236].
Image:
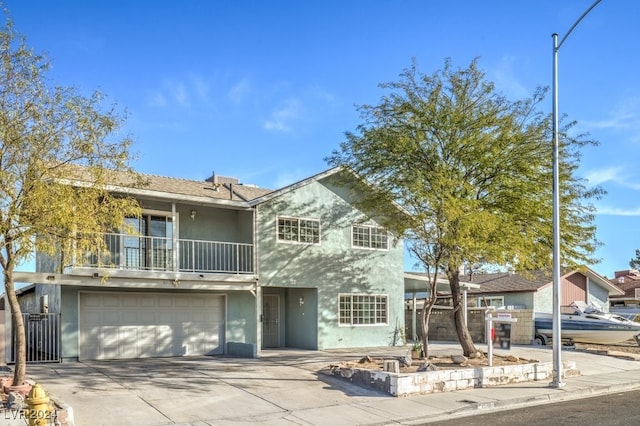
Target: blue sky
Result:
[264, 90]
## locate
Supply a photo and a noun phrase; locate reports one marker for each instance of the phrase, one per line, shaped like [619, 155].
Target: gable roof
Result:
[218, 190]
[273, 194]
[315, 178]
[533, 281]
[627, 281]
[510, 282]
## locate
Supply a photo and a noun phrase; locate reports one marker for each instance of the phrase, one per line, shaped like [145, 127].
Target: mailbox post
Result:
[489, 320]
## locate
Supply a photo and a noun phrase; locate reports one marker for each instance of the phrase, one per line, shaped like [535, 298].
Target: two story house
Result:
[219, 267]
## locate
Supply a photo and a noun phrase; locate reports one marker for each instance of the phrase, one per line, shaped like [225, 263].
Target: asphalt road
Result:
[617, 409]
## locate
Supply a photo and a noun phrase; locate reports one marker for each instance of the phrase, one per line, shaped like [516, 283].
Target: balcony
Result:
[142, 253]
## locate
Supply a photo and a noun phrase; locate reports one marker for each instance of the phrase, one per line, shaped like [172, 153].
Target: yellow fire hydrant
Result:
[38, 406]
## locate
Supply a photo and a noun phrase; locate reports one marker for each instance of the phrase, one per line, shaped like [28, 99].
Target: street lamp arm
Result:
[595, 3]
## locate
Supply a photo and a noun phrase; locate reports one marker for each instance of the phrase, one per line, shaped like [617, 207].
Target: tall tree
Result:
[635, 262]
[49, 135]
[474, 170]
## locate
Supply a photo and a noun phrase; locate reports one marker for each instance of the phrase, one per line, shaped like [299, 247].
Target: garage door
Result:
[138, 325]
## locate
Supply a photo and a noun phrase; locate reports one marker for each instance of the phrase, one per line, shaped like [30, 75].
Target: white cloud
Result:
[610, 174]
[615, 175]
[618, 211]
[157, 99]
[624, 118]
[182, 93]
[172, 94]
[201, 88]
[179, 94]
[304, 108]
[283, 118]
[323, 96]
[239, 91]
[505, 77]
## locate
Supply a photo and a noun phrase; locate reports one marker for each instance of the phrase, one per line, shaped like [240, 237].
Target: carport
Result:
[416, 285]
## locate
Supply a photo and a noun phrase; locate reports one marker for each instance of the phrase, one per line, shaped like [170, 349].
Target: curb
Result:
[515, 403]
[64, 412]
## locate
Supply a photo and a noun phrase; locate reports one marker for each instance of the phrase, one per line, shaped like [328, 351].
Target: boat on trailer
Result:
[586, 324]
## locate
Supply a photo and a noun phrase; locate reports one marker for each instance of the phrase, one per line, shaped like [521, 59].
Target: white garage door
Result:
[138, 325]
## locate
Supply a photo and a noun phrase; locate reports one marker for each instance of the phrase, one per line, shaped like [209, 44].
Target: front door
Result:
[270, 321]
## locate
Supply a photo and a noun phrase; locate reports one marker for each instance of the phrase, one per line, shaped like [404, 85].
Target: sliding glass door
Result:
[152, 245]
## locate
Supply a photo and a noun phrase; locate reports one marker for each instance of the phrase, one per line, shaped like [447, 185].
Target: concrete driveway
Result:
[202, 390]
[285, 387]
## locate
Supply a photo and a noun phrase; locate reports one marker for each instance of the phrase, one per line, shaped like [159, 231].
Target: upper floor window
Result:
[372, 237]
[151, 247]
[299, 230]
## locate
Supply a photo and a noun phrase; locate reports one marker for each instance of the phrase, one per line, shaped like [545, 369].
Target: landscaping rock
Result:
[406, 360]
[366, 359]
[15, 401]
[458, 359]
[346, 373]
[427, 366]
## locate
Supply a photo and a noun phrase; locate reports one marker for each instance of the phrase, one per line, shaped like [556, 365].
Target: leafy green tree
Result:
[474, 171]
[50, 139]
[635, 262]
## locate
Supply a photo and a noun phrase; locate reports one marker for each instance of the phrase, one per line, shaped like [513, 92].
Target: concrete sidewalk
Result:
[284, 387]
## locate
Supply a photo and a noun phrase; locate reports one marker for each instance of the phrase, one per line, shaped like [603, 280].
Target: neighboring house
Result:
[628, 281]
[520, 295]
[535, 289]
[221, 267]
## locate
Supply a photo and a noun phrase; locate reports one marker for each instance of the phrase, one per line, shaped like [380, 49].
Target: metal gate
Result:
[42, 332]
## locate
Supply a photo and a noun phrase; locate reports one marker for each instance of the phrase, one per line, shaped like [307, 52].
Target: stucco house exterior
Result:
[518, 295]
[628, 281]
[218, 267]
[534, 290]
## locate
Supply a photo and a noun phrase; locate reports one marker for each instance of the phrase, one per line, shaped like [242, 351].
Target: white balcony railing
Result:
[157, 254]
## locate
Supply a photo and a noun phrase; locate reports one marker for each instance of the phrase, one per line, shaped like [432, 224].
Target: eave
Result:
[169, 282]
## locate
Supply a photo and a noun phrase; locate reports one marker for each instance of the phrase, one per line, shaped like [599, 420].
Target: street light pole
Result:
[557, 293]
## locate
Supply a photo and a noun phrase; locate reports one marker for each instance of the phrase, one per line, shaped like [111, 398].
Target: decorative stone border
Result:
[404, 384]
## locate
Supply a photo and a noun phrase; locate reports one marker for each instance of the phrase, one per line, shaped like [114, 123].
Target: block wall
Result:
[442, 328]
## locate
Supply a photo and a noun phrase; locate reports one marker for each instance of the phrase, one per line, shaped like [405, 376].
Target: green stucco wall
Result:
[241, 317]
[332, 267]
[216, 224]
[69, 323]
[543, 299]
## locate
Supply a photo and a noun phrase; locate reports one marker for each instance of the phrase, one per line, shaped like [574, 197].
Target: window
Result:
[369, 237]
[299, 230]
[152, 246]
[491, 301]
[363, 309]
